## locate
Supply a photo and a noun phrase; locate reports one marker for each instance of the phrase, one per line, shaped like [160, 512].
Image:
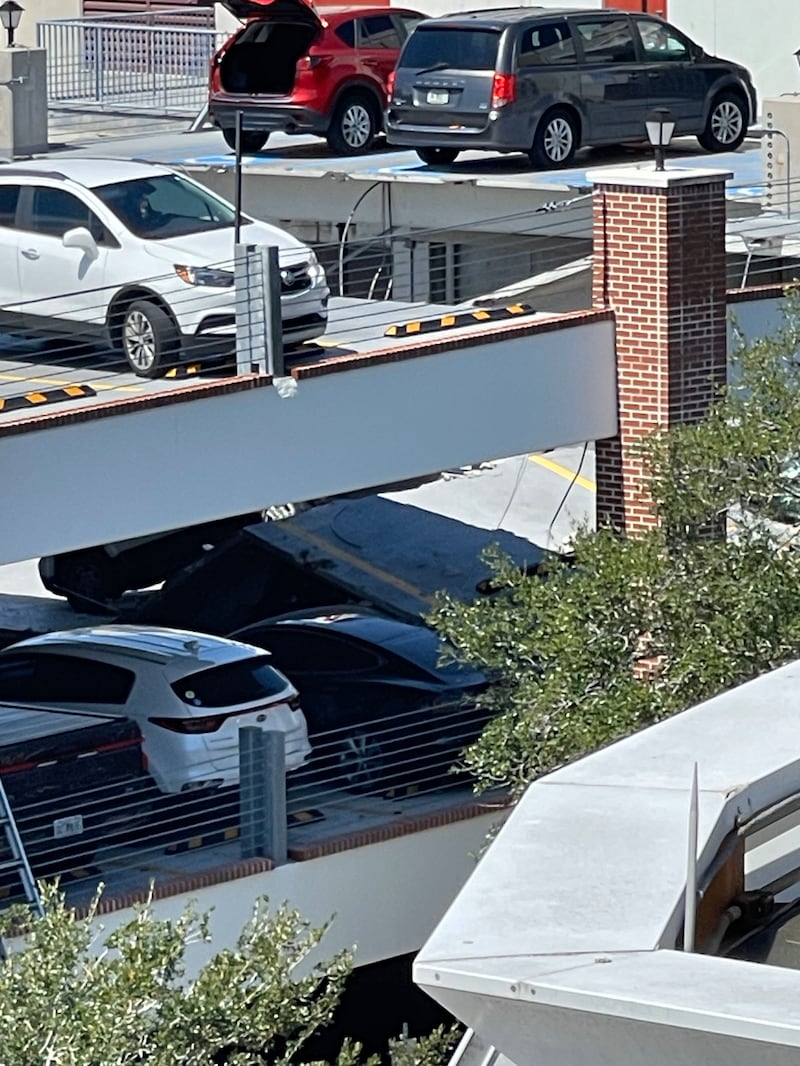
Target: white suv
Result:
[189, 693]
[138, 255]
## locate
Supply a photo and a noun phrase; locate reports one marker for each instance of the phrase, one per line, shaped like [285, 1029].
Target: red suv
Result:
[300, 70]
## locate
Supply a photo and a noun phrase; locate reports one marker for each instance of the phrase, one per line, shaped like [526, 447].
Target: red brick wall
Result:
[659, 263]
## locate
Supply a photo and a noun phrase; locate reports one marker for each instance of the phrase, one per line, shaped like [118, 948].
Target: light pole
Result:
[10, 14]
[660, 126]
[769, 131]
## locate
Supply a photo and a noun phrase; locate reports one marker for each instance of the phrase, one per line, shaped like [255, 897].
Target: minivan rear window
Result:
[443, 48]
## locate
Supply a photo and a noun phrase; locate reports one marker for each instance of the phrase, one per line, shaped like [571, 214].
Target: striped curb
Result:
[463, 318]
[183, 371]
[222, 836]
[37, 399]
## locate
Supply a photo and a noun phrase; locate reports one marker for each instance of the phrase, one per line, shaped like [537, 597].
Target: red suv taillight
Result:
[390, 84]
[504, 90]
[310, 62]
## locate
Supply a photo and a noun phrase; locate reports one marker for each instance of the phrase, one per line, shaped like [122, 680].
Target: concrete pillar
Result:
[659, 263]
[23, 101]
[780, 151]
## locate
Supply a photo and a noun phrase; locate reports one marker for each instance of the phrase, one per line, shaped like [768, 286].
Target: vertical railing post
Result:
[257, 301]
[96, 33]
[272, 311]
[262, 794]
[249, 307]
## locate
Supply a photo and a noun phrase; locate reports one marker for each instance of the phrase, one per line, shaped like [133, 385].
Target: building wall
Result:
[384, 898]
[44, 9]
[761, 36]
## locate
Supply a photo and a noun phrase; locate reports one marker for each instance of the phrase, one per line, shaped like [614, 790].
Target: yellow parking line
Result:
[563, 471]
[360, 564]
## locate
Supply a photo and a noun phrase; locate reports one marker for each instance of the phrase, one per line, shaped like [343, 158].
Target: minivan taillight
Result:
[390, 83]
[504, 90]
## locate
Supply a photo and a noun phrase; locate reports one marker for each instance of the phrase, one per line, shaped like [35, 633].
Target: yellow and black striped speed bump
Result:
[401, 791]
[203, 840]
[461, 318]
[306, 817]
[38, 399]
[222, 836]
[183, 371]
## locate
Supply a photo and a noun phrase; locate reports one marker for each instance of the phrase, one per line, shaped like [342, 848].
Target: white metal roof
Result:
[560, 948]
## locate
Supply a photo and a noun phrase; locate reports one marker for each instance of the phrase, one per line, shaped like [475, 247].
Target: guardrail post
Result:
[262, 794]
[274, 321]
[259, 329]
[251, 346]
[96, 34]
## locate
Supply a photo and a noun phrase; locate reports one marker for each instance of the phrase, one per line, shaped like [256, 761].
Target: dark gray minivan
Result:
[547, 81]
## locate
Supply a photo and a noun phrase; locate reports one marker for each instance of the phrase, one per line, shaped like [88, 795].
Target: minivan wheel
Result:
[150, 341]
[556, 140]
[726, 126]
[441, 156]
[252, 140]
[354, 125]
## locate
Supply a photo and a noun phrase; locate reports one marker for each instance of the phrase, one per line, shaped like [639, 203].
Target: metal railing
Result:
[377, 283]
[114, 829]
[136, 67]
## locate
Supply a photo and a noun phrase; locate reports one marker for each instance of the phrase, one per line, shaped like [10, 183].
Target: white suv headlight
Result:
[193, 275]
[315, 270]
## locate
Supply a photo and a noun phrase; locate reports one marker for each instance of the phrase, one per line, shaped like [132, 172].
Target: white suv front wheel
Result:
[149, 339]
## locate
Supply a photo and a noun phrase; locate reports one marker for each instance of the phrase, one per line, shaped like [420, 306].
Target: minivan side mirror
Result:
[81, 238]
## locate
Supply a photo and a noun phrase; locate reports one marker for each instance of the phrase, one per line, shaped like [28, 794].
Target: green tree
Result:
[68, 999]
[646, 626]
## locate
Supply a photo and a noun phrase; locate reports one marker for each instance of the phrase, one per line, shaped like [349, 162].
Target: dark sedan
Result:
[383, 708]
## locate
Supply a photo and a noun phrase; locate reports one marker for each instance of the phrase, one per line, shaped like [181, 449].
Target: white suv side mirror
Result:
[81, 238]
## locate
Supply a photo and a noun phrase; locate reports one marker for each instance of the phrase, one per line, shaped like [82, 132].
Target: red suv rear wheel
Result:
[354, 124]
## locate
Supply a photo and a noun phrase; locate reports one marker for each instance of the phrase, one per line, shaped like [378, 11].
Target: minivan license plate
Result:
[438, 97]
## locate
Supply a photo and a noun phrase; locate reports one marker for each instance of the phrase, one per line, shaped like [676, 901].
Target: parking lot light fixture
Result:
[10, 14]
[660, 126]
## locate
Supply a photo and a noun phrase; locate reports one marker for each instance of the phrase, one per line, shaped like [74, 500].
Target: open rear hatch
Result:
[263, 56]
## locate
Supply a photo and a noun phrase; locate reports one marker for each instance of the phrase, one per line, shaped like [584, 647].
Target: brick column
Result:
[659, 263]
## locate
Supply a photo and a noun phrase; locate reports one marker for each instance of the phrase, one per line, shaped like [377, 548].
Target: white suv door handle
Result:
[30, 253]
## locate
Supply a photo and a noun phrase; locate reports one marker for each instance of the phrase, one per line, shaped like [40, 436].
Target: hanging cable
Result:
[523, 462]
[563, 500]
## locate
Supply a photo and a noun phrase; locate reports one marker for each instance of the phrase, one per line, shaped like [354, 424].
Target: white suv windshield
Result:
[166, 205]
